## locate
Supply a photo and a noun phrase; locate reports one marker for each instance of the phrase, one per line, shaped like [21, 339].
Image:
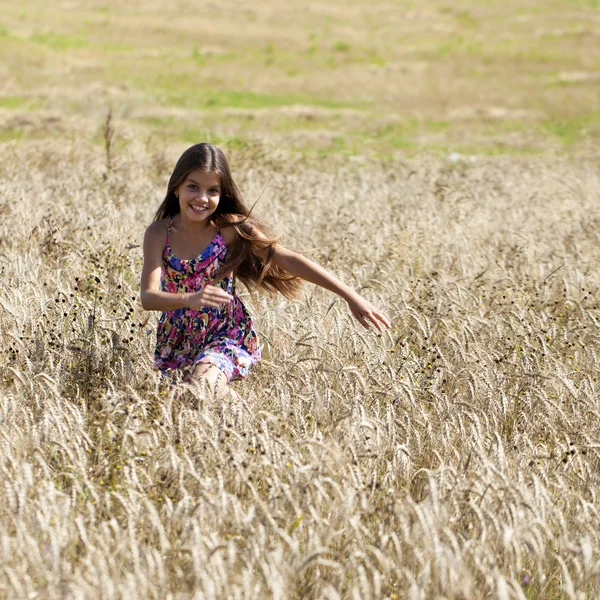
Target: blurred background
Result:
[343, 77]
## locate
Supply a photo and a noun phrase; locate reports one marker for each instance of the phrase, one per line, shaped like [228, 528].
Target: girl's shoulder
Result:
[228, 234]
[158, 228]
[156, 234]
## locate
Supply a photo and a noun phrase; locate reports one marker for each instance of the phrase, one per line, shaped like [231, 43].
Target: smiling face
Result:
[199, 195]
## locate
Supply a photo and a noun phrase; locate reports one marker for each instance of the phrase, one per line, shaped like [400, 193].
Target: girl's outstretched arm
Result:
[296, 264]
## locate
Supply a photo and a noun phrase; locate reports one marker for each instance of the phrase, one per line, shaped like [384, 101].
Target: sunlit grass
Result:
[464, 438]
[573, 130]
[11, 102]
[57, 41]
[439, 158]
[398, 64]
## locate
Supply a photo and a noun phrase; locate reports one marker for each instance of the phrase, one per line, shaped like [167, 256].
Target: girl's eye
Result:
[214, 191]
[192, 186]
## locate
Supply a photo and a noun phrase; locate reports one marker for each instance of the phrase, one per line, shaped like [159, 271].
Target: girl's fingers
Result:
[212, 297]
[375, 318]
[216, 293]
[220, 298]
[378, 319]
[213, 304]
[211, 289]
[363, 321]
[383, 319]
[375, 322]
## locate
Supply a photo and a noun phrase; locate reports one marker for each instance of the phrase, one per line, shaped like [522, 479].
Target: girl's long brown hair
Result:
[252, 236]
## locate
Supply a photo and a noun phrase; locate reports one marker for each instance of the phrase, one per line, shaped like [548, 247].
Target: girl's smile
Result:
[199, 195]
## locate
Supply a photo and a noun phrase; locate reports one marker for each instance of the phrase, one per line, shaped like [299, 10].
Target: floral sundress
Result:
[221, 336]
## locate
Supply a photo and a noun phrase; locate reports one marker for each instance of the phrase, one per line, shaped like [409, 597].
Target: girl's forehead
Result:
[204, 177]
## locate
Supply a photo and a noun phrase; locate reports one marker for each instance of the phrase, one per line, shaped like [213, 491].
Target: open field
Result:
[456, 456]
[349, 77]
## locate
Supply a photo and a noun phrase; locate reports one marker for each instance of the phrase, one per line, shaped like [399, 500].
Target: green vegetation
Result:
[340, 46]
[57, 41]
[201, 98]
[11, 102]
[117, 47]
[573, 130]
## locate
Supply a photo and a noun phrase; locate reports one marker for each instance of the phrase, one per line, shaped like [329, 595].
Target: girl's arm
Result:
[152, 297]
[302, 267]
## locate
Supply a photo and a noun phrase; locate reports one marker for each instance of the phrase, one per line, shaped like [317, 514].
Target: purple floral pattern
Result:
[222, 336]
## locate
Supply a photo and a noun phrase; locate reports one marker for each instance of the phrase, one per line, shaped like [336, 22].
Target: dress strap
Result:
[167, 249]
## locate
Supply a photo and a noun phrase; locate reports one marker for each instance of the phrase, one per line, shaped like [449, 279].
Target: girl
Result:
[202, 238]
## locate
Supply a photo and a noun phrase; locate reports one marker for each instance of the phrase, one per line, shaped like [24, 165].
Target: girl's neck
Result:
[190, 227]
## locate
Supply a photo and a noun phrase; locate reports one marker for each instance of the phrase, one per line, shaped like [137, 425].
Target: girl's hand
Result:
[366, 314]
[209, 296]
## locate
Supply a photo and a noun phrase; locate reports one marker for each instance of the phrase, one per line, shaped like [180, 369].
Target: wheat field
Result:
[441, 159]
[454, 456]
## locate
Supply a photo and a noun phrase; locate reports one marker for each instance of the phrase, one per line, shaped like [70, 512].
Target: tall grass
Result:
[456, 456]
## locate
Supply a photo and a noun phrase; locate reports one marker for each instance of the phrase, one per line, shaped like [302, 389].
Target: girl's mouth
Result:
[198, 209]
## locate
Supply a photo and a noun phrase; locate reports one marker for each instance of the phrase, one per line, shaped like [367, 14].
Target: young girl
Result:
[202, 240]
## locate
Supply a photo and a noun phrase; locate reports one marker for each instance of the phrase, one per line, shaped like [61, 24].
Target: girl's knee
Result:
[214, 378]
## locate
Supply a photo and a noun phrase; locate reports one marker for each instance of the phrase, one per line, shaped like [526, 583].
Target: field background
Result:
[348, 77]
[442, 158]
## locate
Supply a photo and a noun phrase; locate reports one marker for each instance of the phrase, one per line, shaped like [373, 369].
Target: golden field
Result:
[443, 161]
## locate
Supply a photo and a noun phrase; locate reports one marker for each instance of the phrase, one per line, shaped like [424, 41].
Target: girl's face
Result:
[199, 195]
